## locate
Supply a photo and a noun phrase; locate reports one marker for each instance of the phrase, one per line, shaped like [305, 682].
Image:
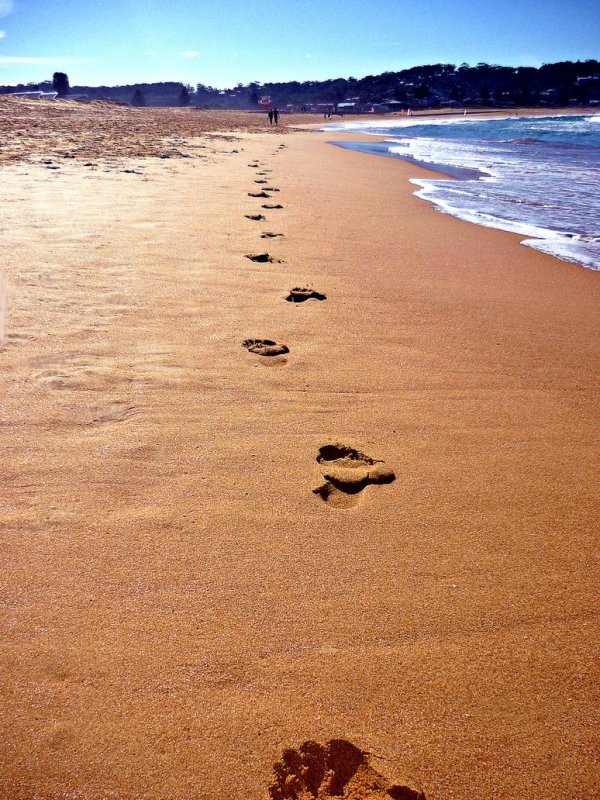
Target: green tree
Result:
[138, 99]
[60, 82]
[184, 96]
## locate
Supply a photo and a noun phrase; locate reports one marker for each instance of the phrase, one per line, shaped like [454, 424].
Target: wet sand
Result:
[179, 604]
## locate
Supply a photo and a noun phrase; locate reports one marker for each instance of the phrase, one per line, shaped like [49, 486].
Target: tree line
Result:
[490, 85]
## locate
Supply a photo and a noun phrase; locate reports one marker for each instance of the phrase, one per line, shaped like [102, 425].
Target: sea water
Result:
[535, 176]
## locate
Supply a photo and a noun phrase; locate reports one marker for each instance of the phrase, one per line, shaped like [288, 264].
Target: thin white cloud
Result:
[2, 34]
[36, 60]
[151, 53]
[189, 54]
[6, 7]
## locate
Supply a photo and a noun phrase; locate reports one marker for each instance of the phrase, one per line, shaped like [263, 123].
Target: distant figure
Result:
[276, 116]
[270, 116]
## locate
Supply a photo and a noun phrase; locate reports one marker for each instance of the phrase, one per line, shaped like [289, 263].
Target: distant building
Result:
[36, 95]
[589, 80]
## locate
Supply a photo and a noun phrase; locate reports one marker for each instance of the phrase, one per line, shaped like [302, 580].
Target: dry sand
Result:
[178, 605]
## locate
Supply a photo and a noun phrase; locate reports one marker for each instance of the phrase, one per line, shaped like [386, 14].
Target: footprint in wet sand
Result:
[258, 194]
[256, 217]
[271, 205]
[337, 769]
[301, 295]
[263, 258]
[270, 235]
[265, 347]
[261, 181]
[347, 472]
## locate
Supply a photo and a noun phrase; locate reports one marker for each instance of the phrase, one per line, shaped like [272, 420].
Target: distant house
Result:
[588, 80]
[36, 95]
[346, 107]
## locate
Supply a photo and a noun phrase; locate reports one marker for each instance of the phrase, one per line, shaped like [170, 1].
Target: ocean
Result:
[535, 176]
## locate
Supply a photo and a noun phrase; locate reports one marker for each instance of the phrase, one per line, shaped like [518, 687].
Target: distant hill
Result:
[429, 86]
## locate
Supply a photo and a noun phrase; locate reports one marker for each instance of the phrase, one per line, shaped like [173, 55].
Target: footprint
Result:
[258, 194]
[298, 295]
[262, 258]
[271, 189]
[118, 411]
[265, 347]
[256, 217]
[347, 471]
[263, 181]
[337, 769]
[270, 235]
[54, 378]
[271, 205]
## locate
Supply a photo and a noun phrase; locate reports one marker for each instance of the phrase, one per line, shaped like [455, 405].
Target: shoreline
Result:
[537, 235]
[181, 605]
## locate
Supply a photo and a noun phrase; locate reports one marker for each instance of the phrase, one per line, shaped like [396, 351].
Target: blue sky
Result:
[222, 43]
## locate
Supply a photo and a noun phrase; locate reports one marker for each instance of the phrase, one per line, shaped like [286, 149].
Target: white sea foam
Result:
[535, 176]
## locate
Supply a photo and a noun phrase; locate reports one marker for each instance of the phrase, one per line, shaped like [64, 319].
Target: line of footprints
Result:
[346, 471]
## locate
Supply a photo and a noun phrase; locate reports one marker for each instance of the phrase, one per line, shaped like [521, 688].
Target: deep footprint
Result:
[263, 258]
[258, 194]
[270, 235]
[347, 472]
[265, 347]
[301, 295]
[337, 769]
[271, 205]
[256, 217]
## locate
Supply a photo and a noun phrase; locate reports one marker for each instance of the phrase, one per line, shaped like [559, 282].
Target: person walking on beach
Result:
[276, 116]
[270, 116]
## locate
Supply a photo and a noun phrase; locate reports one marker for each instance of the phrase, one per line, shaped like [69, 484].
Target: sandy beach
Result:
[385, 536]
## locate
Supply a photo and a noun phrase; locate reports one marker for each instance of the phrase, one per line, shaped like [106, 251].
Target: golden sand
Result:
[381, 540]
